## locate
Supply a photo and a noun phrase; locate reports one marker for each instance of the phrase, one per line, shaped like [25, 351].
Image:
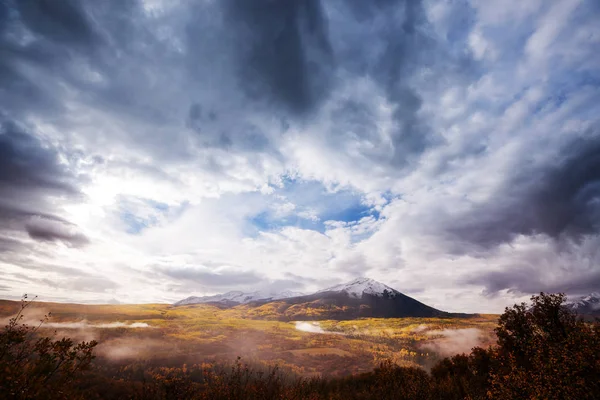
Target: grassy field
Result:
[169, 336]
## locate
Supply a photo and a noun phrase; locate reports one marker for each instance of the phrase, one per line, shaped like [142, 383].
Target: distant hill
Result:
[359, 298]
[586, 305]
[234, 298]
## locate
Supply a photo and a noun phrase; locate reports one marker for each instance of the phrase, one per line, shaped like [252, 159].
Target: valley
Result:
[167, 335]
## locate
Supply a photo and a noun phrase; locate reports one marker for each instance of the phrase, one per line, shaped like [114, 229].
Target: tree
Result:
[37, 367]
[463, 376]
[545, 352]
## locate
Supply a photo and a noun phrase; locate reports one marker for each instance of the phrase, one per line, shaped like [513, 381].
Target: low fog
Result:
[313, 327]
[454, 341]
[84, 325]
[419, 328]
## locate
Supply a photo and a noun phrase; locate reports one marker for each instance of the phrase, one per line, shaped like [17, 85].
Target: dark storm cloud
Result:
[63, 21]
[40, 37]
[367, 9]
[121, 61]
[279, 58]
[78, 49]
[389, 42]
[560, 199]
[283, 50]
[52, 231]
[534, 278]
[567, 200]
[30, 175]
[26, 164]
[404, 49]
[293, 54]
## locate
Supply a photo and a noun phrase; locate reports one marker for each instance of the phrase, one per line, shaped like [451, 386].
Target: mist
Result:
[313, 327]
[454, 341]
[419, 329]
[120, 349]
[85, 325]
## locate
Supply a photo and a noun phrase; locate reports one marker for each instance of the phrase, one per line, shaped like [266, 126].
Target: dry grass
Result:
[321, 351]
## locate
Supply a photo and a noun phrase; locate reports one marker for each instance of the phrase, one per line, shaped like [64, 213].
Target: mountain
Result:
[586, 305]
[236, 297]
[359, 298]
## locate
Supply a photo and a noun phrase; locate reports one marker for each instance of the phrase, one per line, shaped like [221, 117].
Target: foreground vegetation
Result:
[542, 352]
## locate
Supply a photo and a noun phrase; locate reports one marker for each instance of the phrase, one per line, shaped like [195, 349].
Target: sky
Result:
[151, 150]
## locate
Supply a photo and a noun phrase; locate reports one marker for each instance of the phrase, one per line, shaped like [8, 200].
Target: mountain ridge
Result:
[586, 305]
[354, 288]
[237, 297]
[359, 298]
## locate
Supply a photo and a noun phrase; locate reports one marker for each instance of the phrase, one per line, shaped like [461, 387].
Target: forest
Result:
[539, 350]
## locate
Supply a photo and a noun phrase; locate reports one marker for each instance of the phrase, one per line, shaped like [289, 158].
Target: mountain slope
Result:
[586, 305]
[360, 298]
[236, 297]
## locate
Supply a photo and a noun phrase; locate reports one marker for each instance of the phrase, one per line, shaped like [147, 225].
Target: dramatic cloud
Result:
[283, 51]
[560, 199]
[32, 181]
[539, 263]
[151, 150]
[46, 229]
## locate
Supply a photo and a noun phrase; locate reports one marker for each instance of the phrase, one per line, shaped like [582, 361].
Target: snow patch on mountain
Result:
[238, 297]
[358, 286]
[588, 303]
[355, 289]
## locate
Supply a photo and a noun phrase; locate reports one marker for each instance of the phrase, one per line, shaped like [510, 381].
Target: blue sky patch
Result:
[138, 214]
[308, 205]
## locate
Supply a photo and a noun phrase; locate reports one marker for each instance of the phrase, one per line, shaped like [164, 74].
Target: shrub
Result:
[545, 352]
[34, 367]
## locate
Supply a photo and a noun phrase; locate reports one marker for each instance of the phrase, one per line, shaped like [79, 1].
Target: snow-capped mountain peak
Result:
[358, 286]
